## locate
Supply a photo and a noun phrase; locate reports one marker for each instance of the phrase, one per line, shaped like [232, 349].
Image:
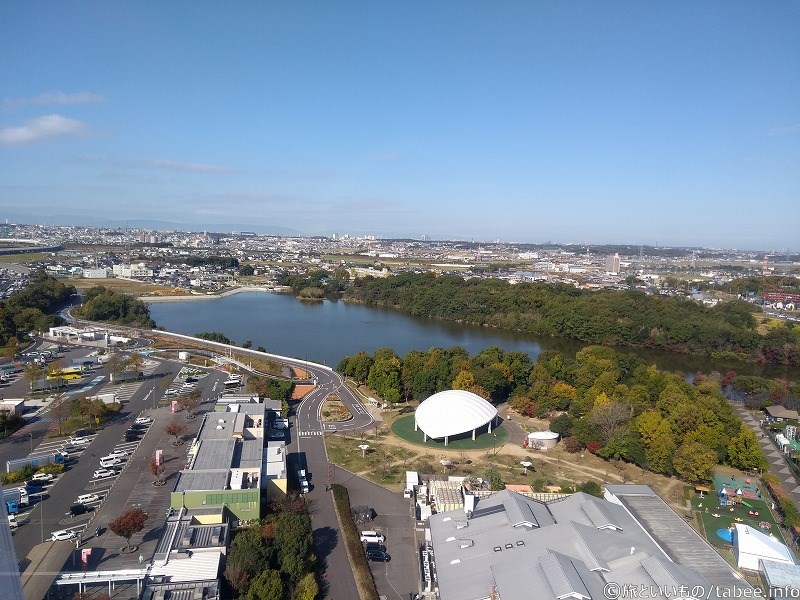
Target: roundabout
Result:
[404, 428]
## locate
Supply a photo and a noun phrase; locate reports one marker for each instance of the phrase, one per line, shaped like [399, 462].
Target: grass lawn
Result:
[125, 286]
[404, 428]
[380, 463]
[27, 257]
[711, 524]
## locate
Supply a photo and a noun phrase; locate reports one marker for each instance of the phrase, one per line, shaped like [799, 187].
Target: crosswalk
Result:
[309, 433]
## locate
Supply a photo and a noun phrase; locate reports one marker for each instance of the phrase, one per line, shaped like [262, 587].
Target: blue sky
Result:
[633, 122]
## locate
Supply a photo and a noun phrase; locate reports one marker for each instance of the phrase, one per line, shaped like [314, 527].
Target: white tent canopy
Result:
[453, 412]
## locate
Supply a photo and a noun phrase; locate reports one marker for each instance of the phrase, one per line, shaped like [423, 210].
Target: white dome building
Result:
[453, 412]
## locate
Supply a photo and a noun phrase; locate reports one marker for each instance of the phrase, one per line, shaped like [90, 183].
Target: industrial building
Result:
[232, 464]
[506, 545]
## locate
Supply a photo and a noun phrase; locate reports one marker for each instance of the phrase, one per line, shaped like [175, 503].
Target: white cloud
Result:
[173, 165]
[40, 128]
[785, 129]
[54, 98]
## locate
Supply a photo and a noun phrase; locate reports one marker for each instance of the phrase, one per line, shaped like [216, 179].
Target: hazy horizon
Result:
[586, 123]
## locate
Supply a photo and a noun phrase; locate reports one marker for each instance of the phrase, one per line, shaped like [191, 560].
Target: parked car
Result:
[143, 420]
[69, 449]
[100, 473]
[87, 498]
[43, 477]
[63, 534]
[78, 509]
[80, 440]
[372, 536]
[378, 556]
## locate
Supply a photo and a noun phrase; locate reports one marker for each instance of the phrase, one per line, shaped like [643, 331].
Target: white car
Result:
[88, 498]
[143, 420]
[100, 473]
[80, 441]
[63, 534]
[43, 477]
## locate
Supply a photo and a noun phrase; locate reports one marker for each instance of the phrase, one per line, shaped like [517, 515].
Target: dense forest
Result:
[102, 304]
[221, 262]
[27, 310]
[613, 318]
[608, 402]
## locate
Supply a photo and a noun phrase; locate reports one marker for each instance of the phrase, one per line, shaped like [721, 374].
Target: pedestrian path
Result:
[777, 462]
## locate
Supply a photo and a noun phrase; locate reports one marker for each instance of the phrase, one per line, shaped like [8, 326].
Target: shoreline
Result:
[195, 297]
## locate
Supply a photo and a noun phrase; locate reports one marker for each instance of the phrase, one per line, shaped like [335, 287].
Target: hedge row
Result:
[352, 542]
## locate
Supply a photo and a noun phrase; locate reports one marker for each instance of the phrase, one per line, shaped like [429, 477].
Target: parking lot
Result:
[397, 579]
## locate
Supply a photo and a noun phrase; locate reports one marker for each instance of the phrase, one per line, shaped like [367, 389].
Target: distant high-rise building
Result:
[612, 263]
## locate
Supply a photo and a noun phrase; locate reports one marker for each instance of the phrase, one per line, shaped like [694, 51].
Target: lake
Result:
[329, 330]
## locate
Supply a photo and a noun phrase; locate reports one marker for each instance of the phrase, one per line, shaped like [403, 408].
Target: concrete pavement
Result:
[777, 463]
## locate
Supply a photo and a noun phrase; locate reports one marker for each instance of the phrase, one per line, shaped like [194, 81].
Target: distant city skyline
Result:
[629, 123]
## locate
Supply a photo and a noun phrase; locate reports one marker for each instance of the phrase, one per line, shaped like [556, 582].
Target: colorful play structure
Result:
[732, 491]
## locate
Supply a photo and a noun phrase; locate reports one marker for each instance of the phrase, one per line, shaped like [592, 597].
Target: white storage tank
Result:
[542, 440]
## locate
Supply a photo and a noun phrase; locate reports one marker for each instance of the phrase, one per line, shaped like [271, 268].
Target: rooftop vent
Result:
[498, 549]
[509, 546]
[520, 543]
[455, 562]
[220, 427]
[221, 421]
[450, 539]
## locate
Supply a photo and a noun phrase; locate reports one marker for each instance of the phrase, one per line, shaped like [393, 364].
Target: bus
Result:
[11, 368]
[68, 374]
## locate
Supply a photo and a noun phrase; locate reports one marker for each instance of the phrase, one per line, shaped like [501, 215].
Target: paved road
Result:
[307, 448]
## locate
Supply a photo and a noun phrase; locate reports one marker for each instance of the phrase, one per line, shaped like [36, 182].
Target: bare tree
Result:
[177, 430]
[608, 419]
[157, 469]
[128, 524]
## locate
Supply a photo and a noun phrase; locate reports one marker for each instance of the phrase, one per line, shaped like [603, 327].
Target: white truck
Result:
[106, 397]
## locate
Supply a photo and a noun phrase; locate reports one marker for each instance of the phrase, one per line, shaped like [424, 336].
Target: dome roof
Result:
[453, 412]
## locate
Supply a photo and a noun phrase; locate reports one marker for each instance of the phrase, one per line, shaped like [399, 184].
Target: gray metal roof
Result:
[214, 454]
[675, 537]
[189, 481]
[249, 454]
[577, 545]
[780, 575]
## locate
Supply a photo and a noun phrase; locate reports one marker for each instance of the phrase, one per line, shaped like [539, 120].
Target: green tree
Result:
[743, 451]
[32, 373]
[267, 585]
[658, 440]
[307, 588]
[135, 362]
[115, 364]
[693, 461]
[494, 479]
[293, 542]
[246, 270]
[561, 424]
[248, 556]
